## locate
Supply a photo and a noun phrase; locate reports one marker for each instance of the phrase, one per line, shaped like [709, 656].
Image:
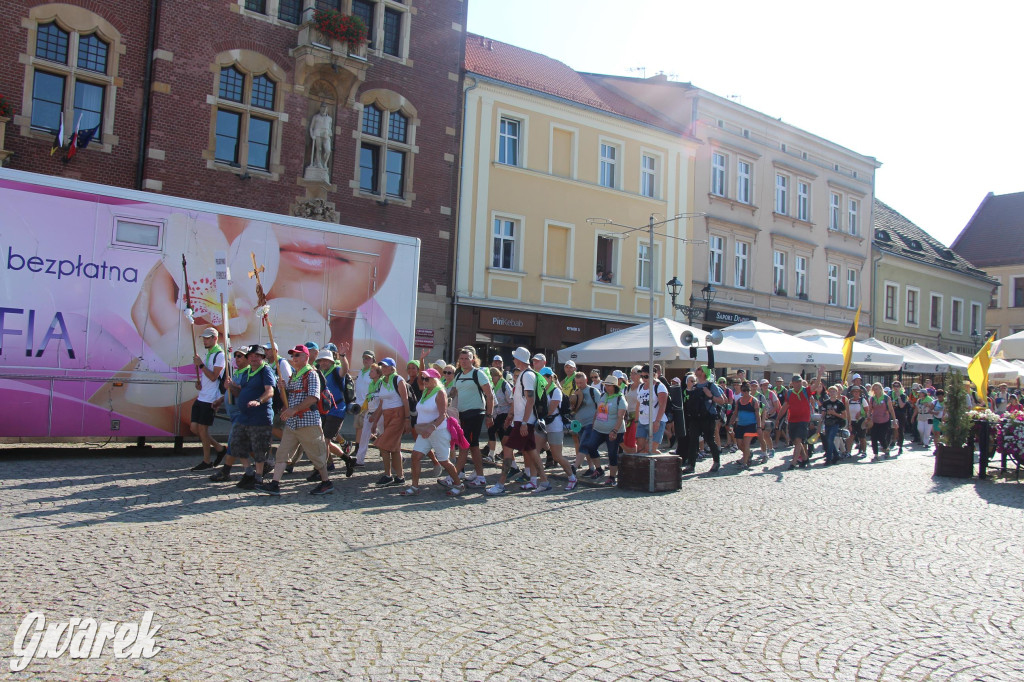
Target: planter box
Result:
[954, 462]
[652, 474]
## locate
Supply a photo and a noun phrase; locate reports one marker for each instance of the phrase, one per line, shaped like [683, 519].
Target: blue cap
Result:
[390, 362]
[311, 345]
[331, 347]
[546, 371]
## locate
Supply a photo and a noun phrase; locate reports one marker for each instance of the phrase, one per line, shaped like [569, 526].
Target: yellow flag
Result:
[978, 369]
[848, 344]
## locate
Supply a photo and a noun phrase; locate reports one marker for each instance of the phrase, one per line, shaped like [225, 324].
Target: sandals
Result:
[457, 490]
[410, 491]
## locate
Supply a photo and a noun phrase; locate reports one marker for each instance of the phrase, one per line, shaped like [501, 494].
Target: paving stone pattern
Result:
[864, 571]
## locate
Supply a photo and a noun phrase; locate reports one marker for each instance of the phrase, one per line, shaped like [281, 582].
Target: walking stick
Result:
[188, 310]
[263, 310]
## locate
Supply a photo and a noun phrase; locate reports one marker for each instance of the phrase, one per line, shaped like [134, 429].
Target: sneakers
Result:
[246, 482]
[714, 467]
[596, 474]
[571, 485]
[400, 480]
[479, 482]
[486, 452]
[684, 472]
[455, 491]
[350, 466]
[488, 461]
[771, 453]
[330, 465]
[322, 488]
[220, 456]
[269, 488]
[221, 477]
[512, 473]
[202, 466]
[314, 477]
[496, 489]
[610, 481]
[289, 468]
[528, 486]
[446, 482]
[385, 480]
[410, 491]
[544, 487]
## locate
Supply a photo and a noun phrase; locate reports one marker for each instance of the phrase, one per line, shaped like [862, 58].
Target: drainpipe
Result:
[147, 89]
[874, 275]
[458, 213]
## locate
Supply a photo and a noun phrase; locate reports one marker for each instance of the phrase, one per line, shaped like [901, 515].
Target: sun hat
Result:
[521, 354]
[325, 355]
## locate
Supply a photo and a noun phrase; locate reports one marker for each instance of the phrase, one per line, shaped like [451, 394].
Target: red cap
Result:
[299, 350]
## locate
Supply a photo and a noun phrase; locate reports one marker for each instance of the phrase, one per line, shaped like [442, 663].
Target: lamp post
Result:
[707, 292]
[629, 229]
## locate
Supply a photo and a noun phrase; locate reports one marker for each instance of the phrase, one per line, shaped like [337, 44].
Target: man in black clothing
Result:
[706, 419]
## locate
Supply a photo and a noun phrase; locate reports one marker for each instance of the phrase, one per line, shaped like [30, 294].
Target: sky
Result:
[930, 89]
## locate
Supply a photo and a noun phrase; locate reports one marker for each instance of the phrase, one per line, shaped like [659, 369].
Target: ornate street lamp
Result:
[691, 311]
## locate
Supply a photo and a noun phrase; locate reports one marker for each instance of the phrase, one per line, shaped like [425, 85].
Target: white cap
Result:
[325, 355]
[521, 354]
[618, 374]
[855, 376]
[540, 356]
[570, 363]
[209, 333]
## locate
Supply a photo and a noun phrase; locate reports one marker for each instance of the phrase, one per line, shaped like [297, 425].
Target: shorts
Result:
[331, 425]
[202, 413]
[798, 430]
[517, 441]
[254, 440]
[439, 440]
[629, 438]
[472, 422]
[748, 430]
[310, 439]
[643, 430]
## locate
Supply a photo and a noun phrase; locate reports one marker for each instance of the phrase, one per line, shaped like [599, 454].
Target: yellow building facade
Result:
[545, 151]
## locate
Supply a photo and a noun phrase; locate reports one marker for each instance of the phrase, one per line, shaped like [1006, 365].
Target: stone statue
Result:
[321, 131]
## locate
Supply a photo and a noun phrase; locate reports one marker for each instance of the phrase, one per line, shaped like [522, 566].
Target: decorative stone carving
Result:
[316, 209]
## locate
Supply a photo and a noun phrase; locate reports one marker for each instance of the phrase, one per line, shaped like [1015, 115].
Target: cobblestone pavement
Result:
[872, 571]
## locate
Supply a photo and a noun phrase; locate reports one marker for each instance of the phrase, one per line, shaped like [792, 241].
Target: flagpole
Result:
[264, 309]
[188, 309]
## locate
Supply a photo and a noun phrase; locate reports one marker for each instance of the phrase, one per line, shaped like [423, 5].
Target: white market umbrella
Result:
[631, 346]
[998, 369]
[865, 358]
[921, 356]
[1012, 346]
[913, 361]
[784, 350]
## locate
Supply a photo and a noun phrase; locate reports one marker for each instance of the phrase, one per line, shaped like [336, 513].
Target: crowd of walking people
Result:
[526, 413]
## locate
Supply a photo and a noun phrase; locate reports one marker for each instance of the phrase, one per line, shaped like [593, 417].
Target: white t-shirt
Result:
[363, 382]
[527, 382]
[643, 396]
[210, 388]
[389, 396]
[284, 369]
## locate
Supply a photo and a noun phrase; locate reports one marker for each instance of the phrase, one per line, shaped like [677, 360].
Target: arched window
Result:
[386, 146]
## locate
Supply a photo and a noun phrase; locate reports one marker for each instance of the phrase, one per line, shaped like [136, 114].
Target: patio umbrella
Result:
[998, 369]
[865, 358]
[630, 346]
[936, 357]
[1012, 346]
[787, 352]
[913, 362]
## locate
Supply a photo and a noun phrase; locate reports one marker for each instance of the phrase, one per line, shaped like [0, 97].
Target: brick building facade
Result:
[233, 90]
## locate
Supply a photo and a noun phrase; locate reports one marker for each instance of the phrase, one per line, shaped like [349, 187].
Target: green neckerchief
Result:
[876, 401]
[569, 384]
[250, 372]
[375, 386]
[300, 373]
[448, 384]
[428, 396]
[212, 352]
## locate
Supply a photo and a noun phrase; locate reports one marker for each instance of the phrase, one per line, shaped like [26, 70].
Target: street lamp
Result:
[708, 293]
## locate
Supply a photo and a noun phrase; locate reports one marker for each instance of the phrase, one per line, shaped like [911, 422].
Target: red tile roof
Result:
[534, 71]
[995, 233]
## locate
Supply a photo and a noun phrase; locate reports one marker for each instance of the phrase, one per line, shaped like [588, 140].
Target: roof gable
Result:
[995, 233]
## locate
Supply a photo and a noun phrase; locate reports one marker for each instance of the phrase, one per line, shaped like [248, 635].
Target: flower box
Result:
[955, 462]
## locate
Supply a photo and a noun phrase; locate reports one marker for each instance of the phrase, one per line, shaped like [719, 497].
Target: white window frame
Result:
[932, 323]
[832, 278]
[503, 139]
[803, 200]
[651, 261]
[895, 289]
[782, 194]
[716, 255]
[956, 322]
[779, 272]
[611, 164]
[834, 206]
[719, 173]
[852, 295]
[915, 319]
[744, 180]
[853, 216]
[616, 243]
[516, 240]
[741, 265]
[976, 312]
[649, 175]
[800, 267]
[996, 295]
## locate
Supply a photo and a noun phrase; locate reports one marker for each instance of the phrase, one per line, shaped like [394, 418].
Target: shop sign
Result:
[728, 318]
[508, 322]
[424, 338]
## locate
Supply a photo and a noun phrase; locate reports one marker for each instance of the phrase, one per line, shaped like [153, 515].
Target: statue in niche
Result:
[321, 133]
